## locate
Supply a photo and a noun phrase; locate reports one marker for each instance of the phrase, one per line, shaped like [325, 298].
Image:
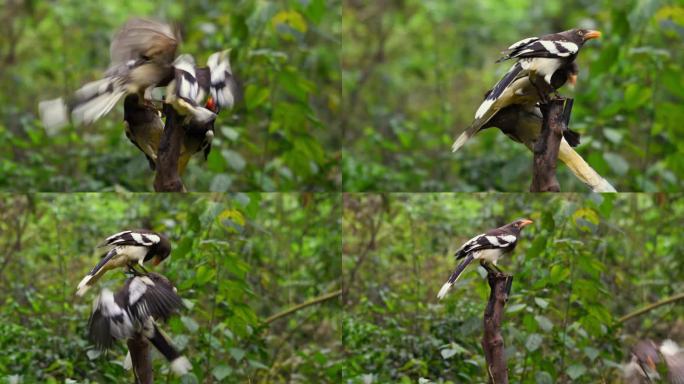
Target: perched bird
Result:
[523, 124]
[520, 91]
[142, 54]
[137, 308]
[649, 360]
[144, 126]
[543, 56]
[124, 250]
[487, 247]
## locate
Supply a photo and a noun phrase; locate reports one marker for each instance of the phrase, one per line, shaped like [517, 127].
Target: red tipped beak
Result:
[156, 261]
[525, 222]
[592, 35]
[572, 79]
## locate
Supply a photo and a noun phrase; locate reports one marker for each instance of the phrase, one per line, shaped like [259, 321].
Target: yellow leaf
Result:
[233, 215]
[292, 19]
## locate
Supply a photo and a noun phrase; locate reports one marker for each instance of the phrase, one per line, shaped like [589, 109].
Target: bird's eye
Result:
[580, 33]
[146, 58]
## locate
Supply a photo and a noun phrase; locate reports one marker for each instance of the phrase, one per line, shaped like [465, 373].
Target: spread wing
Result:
[152, 295]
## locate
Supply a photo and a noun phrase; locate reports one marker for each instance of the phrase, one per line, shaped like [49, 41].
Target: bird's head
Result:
[163, 250]
[646, 354]
[580, 36]
[520, 223]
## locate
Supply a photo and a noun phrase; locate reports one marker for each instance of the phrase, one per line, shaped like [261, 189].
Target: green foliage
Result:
[414, 73]
[585, 262]
[281, 136]
[234, 264]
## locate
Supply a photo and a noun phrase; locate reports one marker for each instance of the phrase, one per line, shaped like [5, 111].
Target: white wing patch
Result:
[523, 42]
[570, 46]
[136, 289]
[549, 46]
[484, 107]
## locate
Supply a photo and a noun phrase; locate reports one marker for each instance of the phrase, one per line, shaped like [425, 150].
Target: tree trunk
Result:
[140, 357]
[167, 178]
[554, 122]
[492, 340]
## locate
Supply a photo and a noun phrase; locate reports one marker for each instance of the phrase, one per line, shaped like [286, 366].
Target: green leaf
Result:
[190, 324]
[220, 372]
[544, 323]
[255, 96]
[617, 162]
[591, 353]
[543, 378]
[576, 370]
[234, 159]
[515, 308]
[221, 183]
[533, 342]
[237, 353]
[541, 302]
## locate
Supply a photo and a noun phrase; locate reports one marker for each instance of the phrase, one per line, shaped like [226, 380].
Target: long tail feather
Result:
[454, 276]
[179, 364]
[582, 170]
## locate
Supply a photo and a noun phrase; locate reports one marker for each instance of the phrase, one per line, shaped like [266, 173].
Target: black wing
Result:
[541, 48]
[495, 238]
[151, 295]
[138, 238]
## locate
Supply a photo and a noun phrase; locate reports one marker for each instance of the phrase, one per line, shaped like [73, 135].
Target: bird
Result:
[138, 307]
[523, 124]
[143, 126]
[487, 247]
[530, 79]
[542, 56]
[208, 90]
[520, 91]
[193, 87]
[125, 249]
[648, 360]
[142, 53]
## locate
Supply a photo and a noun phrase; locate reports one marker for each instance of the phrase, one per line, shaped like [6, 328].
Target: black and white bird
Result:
[137, 308]
[487, 247]
[543, 66]
[192, 88]
[124, 250]
[648, 360]
[520, 92]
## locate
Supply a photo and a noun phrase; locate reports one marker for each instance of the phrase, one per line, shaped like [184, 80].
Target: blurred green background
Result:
[585, 262]
[414, 73]
[282, 136]
[236, 261]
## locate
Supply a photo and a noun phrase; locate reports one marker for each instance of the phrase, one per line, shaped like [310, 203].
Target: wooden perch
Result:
[315, 300]
[167, 178]
[140, 357]
[650, 307]
[492, 340]
[554, 122]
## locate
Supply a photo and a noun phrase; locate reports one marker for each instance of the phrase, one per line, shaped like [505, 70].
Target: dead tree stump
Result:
[554, 123]
[492, 340]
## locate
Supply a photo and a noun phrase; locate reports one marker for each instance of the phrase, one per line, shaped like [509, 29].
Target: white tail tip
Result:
[445, 289]
[181, 365]
[459, 142]
[128, 363]
[54, 115]
[83, 285]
